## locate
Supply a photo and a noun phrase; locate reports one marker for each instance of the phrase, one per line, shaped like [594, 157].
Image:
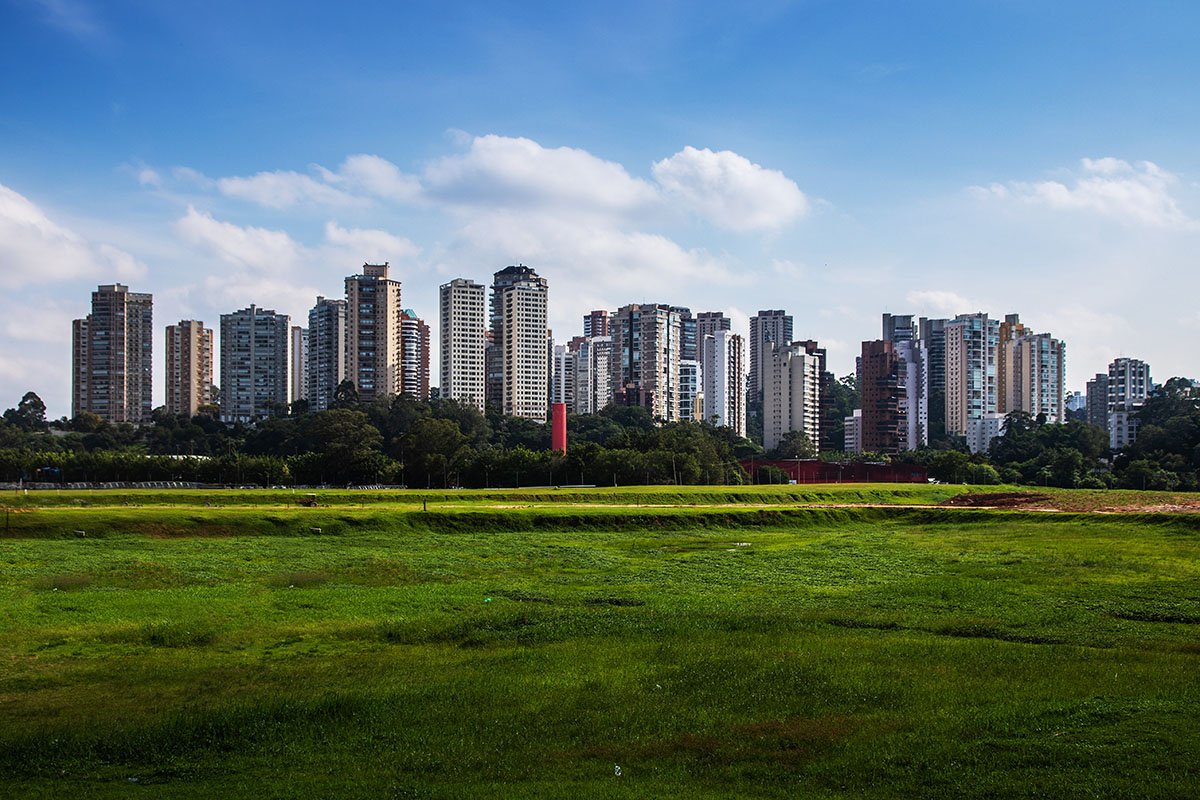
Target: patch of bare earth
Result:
[1024, 500]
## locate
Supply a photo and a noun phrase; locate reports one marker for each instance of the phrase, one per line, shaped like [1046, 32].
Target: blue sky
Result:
[838, 159]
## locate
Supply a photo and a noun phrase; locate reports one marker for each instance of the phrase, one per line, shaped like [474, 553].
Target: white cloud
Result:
[520, 173]
[588, 265]
[34, 249]
[1136, 194]
[788, 269]
[37, 320]
[283, 190]
[148, 177]
[731, 191]
[194, 177]
[249, 247]
[938, 303]
[371, 245]
[376, 176]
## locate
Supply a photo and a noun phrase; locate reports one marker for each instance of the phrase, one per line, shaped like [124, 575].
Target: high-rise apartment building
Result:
[254, 364]
[1097, 400]
[852, 432]
[707, 324]
[463, 341]
[829, 413]
[374, 334]
[112, 356]
[691, 391]
[971, 344]
[593, 374]
[326, 351]
[517, 361]
[932, 332]
[298, 388]
[645, 366]
[1034, 373]
[899, 327]
[189, 365]
[791, 394]
[1011, 329]
[689, 344]
[563, 365]
[414, 355]
[893, 391]
[724, 379]
[1128, 388]
[773, 327]
[595, 323]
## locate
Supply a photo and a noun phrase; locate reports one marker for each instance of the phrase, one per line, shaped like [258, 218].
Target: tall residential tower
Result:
[189, 365]
[463, 341]
[518, 365]
[374, 334]
[112, 356]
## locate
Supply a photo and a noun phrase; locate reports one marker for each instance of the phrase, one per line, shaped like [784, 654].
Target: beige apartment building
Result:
[374, 333]
[189, 363]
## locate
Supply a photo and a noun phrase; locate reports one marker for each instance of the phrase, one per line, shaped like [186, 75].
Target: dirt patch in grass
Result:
[998, 500]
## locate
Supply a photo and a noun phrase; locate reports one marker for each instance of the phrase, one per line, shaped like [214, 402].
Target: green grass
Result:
[875, 493]
[709, 650]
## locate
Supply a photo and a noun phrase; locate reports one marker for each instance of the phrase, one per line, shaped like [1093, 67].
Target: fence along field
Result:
[788, 642]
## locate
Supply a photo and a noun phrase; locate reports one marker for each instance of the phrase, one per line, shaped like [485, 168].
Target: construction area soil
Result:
[1100, 501]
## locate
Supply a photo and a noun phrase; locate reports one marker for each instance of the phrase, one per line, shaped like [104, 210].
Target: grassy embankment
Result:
[482, 650]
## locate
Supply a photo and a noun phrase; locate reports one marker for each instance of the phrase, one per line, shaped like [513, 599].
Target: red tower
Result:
[558, 427]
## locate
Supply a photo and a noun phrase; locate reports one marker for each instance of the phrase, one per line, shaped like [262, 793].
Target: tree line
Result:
[443, 443]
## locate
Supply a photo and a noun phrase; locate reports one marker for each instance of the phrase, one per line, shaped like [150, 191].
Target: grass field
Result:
[835, 641]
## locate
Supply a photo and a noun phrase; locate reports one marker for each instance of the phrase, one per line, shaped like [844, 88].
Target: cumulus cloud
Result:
[38, 320]
[369, 244]
[1136, 194]
[518, 172]
[34, 249]
[938, 303]
[249, 247]
[729, 190]
[588, 265]
[514, 173]
[271, 267]
[376, 176]
[193, 177]
[283, 190]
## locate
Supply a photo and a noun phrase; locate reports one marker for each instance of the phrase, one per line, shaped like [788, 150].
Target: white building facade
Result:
[724, 380]
[791, 394]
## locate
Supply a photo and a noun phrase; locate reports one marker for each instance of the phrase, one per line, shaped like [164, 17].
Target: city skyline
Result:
[837, 162]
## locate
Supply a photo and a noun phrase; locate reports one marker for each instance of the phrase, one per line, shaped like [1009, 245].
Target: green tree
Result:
[794, 444]
[347, 443]
[29, 415]
[345, 395]
[433, 448]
